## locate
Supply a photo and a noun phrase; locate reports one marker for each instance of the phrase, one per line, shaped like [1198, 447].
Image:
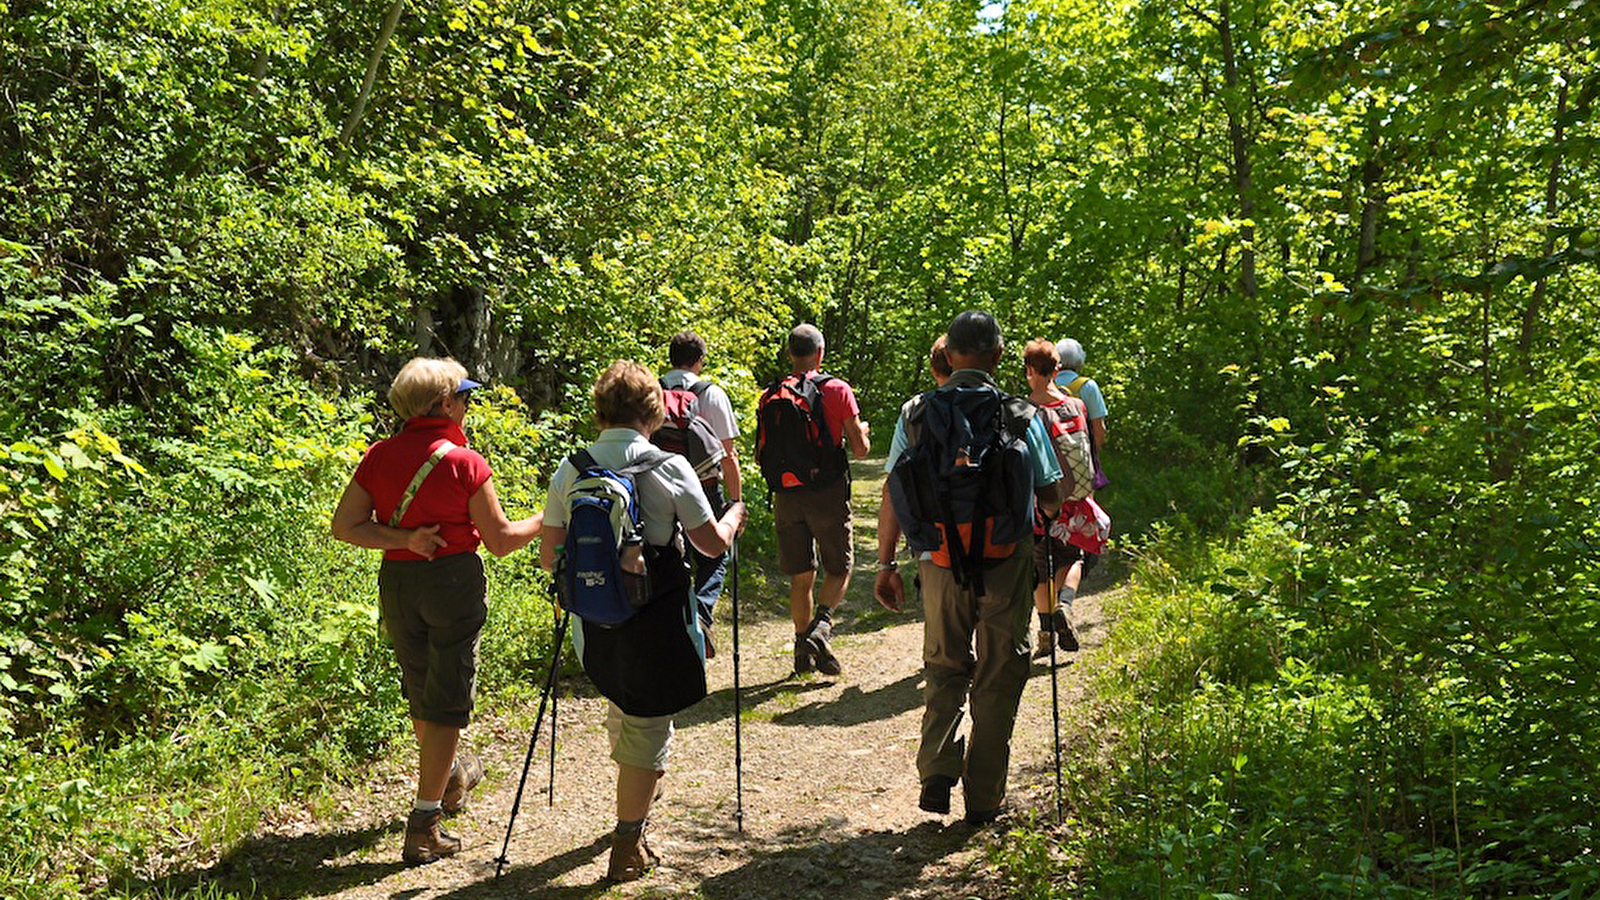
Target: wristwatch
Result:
[890, 566]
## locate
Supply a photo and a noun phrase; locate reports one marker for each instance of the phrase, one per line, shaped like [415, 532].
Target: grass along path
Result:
[830, 785]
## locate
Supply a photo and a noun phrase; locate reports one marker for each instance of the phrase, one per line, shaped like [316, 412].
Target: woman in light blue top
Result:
[629, 407]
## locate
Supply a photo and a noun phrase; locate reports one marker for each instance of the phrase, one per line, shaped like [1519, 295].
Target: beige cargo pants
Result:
[990, 680]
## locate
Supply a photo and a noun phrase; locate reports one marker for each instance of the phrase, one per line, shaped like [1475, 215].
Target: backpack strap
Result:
[646, 463]
[699, 388]
[1077, 385]
[583, 461]
[410, 494]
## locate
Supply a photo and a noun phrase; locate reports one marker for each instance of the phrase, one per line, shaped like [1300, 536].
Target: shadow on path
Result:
[719, 704]
[854, 706]
[534, 880]
[283, 868]
[870, 865]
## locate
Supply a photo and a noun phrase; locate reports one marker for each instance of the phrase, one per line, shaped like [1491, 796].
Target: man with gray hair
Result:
[967, 465]
[1084, 388]
[805, 421]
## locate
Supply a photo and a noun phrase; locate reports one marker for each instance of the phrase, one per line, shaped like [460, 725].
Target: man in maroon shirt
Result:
[815, 521]
[427, 501]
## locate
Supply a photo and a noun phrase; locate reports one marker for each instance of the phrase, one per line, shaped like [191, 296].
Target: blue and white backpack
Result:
[637, 633]
[603, 575]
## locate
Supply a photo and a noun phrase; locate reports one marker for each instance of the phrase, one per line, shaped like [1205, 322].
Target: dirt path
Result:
[830, 786]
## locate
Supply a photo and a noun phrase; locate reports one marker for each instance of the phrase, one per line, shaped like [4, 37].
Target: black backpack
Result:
[687, 433]
[794, 447]
[962, 487]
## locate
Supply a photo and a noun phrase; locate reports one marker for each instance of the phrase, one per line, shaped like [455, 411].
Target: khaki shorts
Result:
[643, 742]
[821, 516]
[433, 611]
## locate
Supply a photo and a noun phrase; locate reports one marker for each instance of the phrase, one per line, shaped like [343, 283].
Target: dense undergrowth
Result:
[1369, 690]
[234, 662]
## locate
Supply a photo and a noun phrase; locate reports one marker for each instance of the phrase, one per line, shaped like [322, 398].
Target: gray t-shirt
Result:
[668, 492]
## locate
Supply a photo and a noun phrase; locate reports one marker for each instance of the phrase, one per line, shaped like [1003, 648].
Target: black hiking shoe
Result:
[818, 636]
[1065, 639]
[802, 655]
[936, 794]
[978, 818]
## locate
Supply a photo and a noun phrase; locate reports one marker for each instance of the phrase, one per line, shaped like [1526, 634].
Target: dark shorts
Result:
[1064, 555]
[820, 516]
[433, 612]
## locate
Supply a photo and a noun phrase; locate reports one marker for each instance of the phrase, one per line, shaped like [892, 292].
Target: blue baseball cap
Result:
[467, 384]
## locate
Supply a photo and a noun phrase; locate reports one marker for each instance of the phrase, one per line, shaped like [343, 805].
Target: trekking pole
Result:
[1055, 702]
[550, 792]
[538, 724]
[738, 732]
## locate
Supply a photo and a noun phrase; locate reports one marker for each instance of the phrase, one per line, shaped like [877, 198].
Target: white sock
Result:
[424, 805]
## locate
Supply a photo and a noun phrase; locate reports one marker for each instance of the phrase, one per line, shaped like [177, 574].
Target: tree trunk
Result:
[384, 34]
[1552, 193]
[1242, 143]
[1372, 200]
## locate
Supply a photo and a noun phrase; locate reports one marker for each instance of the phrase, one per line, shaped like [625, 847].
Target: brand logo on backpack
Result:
[962, 487]
[794, 446]
[603, 573]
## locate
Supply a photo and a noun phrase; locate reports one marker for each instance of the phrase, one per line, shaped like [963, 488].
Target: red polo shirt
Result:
[838, 405]
[390, 464]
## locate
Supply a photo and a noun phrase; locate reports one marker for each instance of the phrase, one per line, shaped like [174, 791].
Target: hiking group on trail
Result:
[992, 492]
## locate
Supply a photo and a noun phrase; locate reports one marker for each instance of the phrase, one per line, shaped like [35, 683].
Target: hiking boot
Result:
[802, 655]
[464, 776]
[818, 636]
[631, 857]
[425, 840]
[936, 794]
[1065, 639]
[978, 818]
[1041, 646]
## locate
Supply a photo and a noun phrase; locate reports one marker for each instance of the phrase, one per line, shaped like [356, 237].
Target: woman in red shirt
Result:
[427, 501]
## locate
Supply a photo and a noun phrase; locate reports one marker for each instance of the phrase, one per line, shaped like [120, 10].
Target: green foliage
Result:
[1334, 266]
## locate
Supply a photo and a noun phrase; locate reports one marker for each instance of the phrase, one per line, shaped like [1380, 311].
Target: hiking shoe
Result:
[464, 776]
[818, 636]
[978, 818]
[936, 794]
[631, 857]
[425, 840]
[1065, 639]
[1041, 647]
[802, 655]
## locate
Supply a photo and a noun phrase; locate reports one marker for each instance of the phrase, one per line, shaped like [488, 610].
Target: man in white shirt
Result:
[686, 353]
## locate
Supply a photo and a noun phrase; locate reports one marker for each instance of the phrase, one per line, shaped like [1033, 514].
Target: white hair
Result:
[1071, 353]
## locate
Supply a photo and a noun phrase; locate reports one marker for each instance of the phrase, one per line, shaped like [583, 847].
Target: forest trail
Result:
[830, 785]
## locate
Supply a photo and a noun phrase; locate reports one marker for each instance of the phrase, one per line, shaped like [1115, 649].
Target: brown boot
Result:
[464, 776]
[425, 840]
[630, 855]
[1041, 646]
